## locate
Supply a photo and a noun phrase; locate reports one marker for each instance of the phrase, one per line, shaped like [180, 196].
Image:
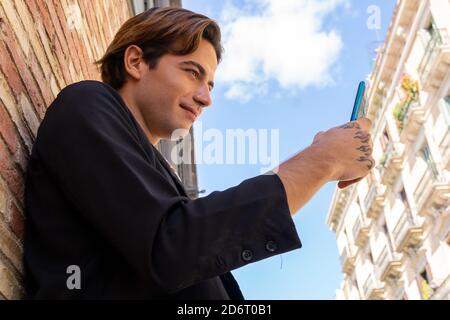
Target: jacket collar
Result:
[171, 170]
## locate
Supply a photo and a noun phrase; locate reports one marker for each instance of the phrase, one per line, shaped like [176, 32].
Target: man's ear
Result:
[131, 60]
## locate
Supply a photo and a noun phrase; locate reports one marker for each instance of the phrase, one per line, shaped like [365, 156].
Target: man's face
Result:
[172, 95]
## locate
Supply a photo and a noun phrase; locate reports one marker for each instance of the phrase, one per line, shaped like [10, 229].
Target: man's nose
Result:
[203, 96]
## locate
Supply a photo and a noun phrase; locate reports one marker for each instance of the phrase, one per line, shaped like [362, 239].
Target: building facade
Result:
[393, 227]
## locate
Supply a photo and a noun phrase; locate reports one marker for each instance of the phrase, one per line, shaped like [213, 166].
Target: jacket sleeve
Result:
[95, 156]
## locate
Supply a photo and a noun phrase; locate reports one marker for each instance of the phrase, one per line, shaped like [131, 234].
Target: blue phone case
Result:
[358, 101]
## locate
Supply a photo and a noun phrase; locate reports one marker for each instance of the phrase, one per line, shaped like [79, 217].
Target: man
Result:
[106, 217]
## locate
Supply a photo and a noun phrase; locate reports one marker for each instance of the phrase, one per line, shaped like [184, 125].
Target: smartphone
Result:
[358, 107]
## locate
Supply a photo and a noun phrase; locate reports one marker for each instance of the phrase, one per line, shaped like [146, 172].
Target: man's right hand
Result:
[348, 148]
[342, 153]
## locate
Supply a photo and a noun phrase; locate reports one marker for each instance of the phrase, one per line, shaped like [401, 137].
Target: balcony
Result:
[433, 190]
[360, 232]
[374, 201]
[407, 233]
[434, 65]
[347, 261]
[373, 290]
[339, 205]
[391, 163]
[444, 147]
[444, 144]
[412, 121]
[389, 264]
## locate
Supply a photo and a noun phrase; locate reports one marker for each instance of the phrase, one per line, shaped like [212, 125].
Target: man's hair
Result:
[158, 31]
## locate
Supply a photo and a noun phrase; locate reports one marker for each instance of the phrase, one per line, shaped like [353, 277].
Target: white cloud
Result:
[277, 40]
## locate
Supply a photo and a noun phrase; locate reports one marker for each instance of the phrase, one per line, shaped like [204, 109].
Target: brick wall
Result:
[44, 46]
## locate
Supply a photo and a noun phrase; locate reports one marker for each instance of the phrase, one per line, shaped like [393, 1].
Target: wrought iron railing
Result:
[439, 37]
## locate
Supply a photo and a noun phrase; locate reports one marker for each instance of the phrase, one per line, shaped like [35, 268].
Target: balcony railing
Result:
[339, 205]
[444, 143]
[436, 53]
[432, 190]
[374, 201]
[388, 264]
[412, 121]
[391, 163]
[407, 233]
[372, 290]
[347, 261]
[360, 232]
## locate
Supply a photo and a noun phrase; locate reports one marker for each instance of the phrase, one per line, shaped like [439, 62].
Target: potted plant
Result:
[410, 90]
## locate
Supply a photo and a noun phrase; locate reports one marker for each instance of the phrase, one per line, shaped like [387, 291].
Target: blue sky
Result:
[265, 83]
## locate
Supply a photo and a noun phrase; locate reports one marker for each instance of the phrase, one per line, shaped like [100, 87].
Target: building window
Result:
[427, 33]
[404, 199]
[371, 257]
[384, 139]
[424, 285]
[444, 106]
[385, 228]
[148, 4]
[426, 156]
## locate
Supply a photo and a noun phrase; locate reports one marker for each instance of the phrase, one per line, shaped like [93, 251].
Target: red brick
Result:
[77, 54]
[98, 31]
[10, 71]
[61, 33]
[54, 42]
[108, 34]
[93, 31]
[7, 129]
[82, 53]
[23, 66]
[11, 174]
[85, 6]
[15, 220]
[103, 32]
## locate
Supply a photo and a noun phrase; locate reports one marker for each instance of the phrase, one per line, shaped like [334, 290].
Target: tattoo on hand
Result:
[365, 137]
[365, 149]
[372, 163]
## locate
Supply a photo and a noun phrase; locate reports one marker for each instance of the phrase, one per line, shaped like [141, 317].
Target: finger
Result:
[318, 134]
[365, 123]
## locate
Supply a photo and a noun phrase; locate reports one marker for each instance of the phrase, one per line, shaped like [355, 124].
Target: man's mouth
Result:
[191, 110]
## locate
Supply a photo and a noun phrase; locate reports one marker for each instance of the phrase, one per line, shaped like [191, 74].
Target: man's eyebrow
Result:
[200, 69]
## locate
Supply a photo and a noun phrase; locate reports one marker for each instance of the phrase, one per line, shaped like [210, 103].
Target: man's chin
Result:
[179, 133]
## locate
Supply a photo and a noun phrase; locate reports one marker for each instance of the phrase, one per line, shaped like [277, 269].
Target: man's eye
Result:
[195, 73]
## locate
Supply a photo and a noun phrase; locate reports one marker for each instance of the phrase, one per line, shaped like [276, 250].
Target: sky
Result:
[291, 69]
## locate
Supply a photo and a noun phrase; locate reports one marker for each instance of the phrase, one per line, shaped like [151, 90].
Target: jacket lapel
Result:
[171, 171]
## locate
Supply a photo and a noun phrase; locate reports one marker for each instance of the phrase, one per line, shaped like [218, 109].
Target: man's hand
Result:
[349, 148]
[342, 153]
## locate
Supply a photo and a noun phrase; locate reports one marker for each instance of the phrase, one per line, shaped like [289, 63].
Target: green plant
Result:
[383, 159]
[411, 89]
[399, 112]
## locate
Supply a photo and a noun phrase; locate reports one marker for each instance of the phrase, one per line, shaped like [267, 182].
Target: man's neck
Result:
[138, 117]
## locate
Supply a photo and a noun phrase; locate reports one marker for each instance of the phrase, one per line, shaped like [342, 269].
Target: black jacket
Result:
[99, 196]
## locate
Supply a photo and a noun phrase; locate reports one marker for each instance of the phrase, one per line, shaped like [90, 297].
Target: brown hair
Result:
[158, 31]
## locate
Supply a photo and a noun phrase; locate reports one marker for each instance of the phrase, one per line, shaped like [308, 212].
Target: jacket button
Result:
[247, 255]
[271, 246]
